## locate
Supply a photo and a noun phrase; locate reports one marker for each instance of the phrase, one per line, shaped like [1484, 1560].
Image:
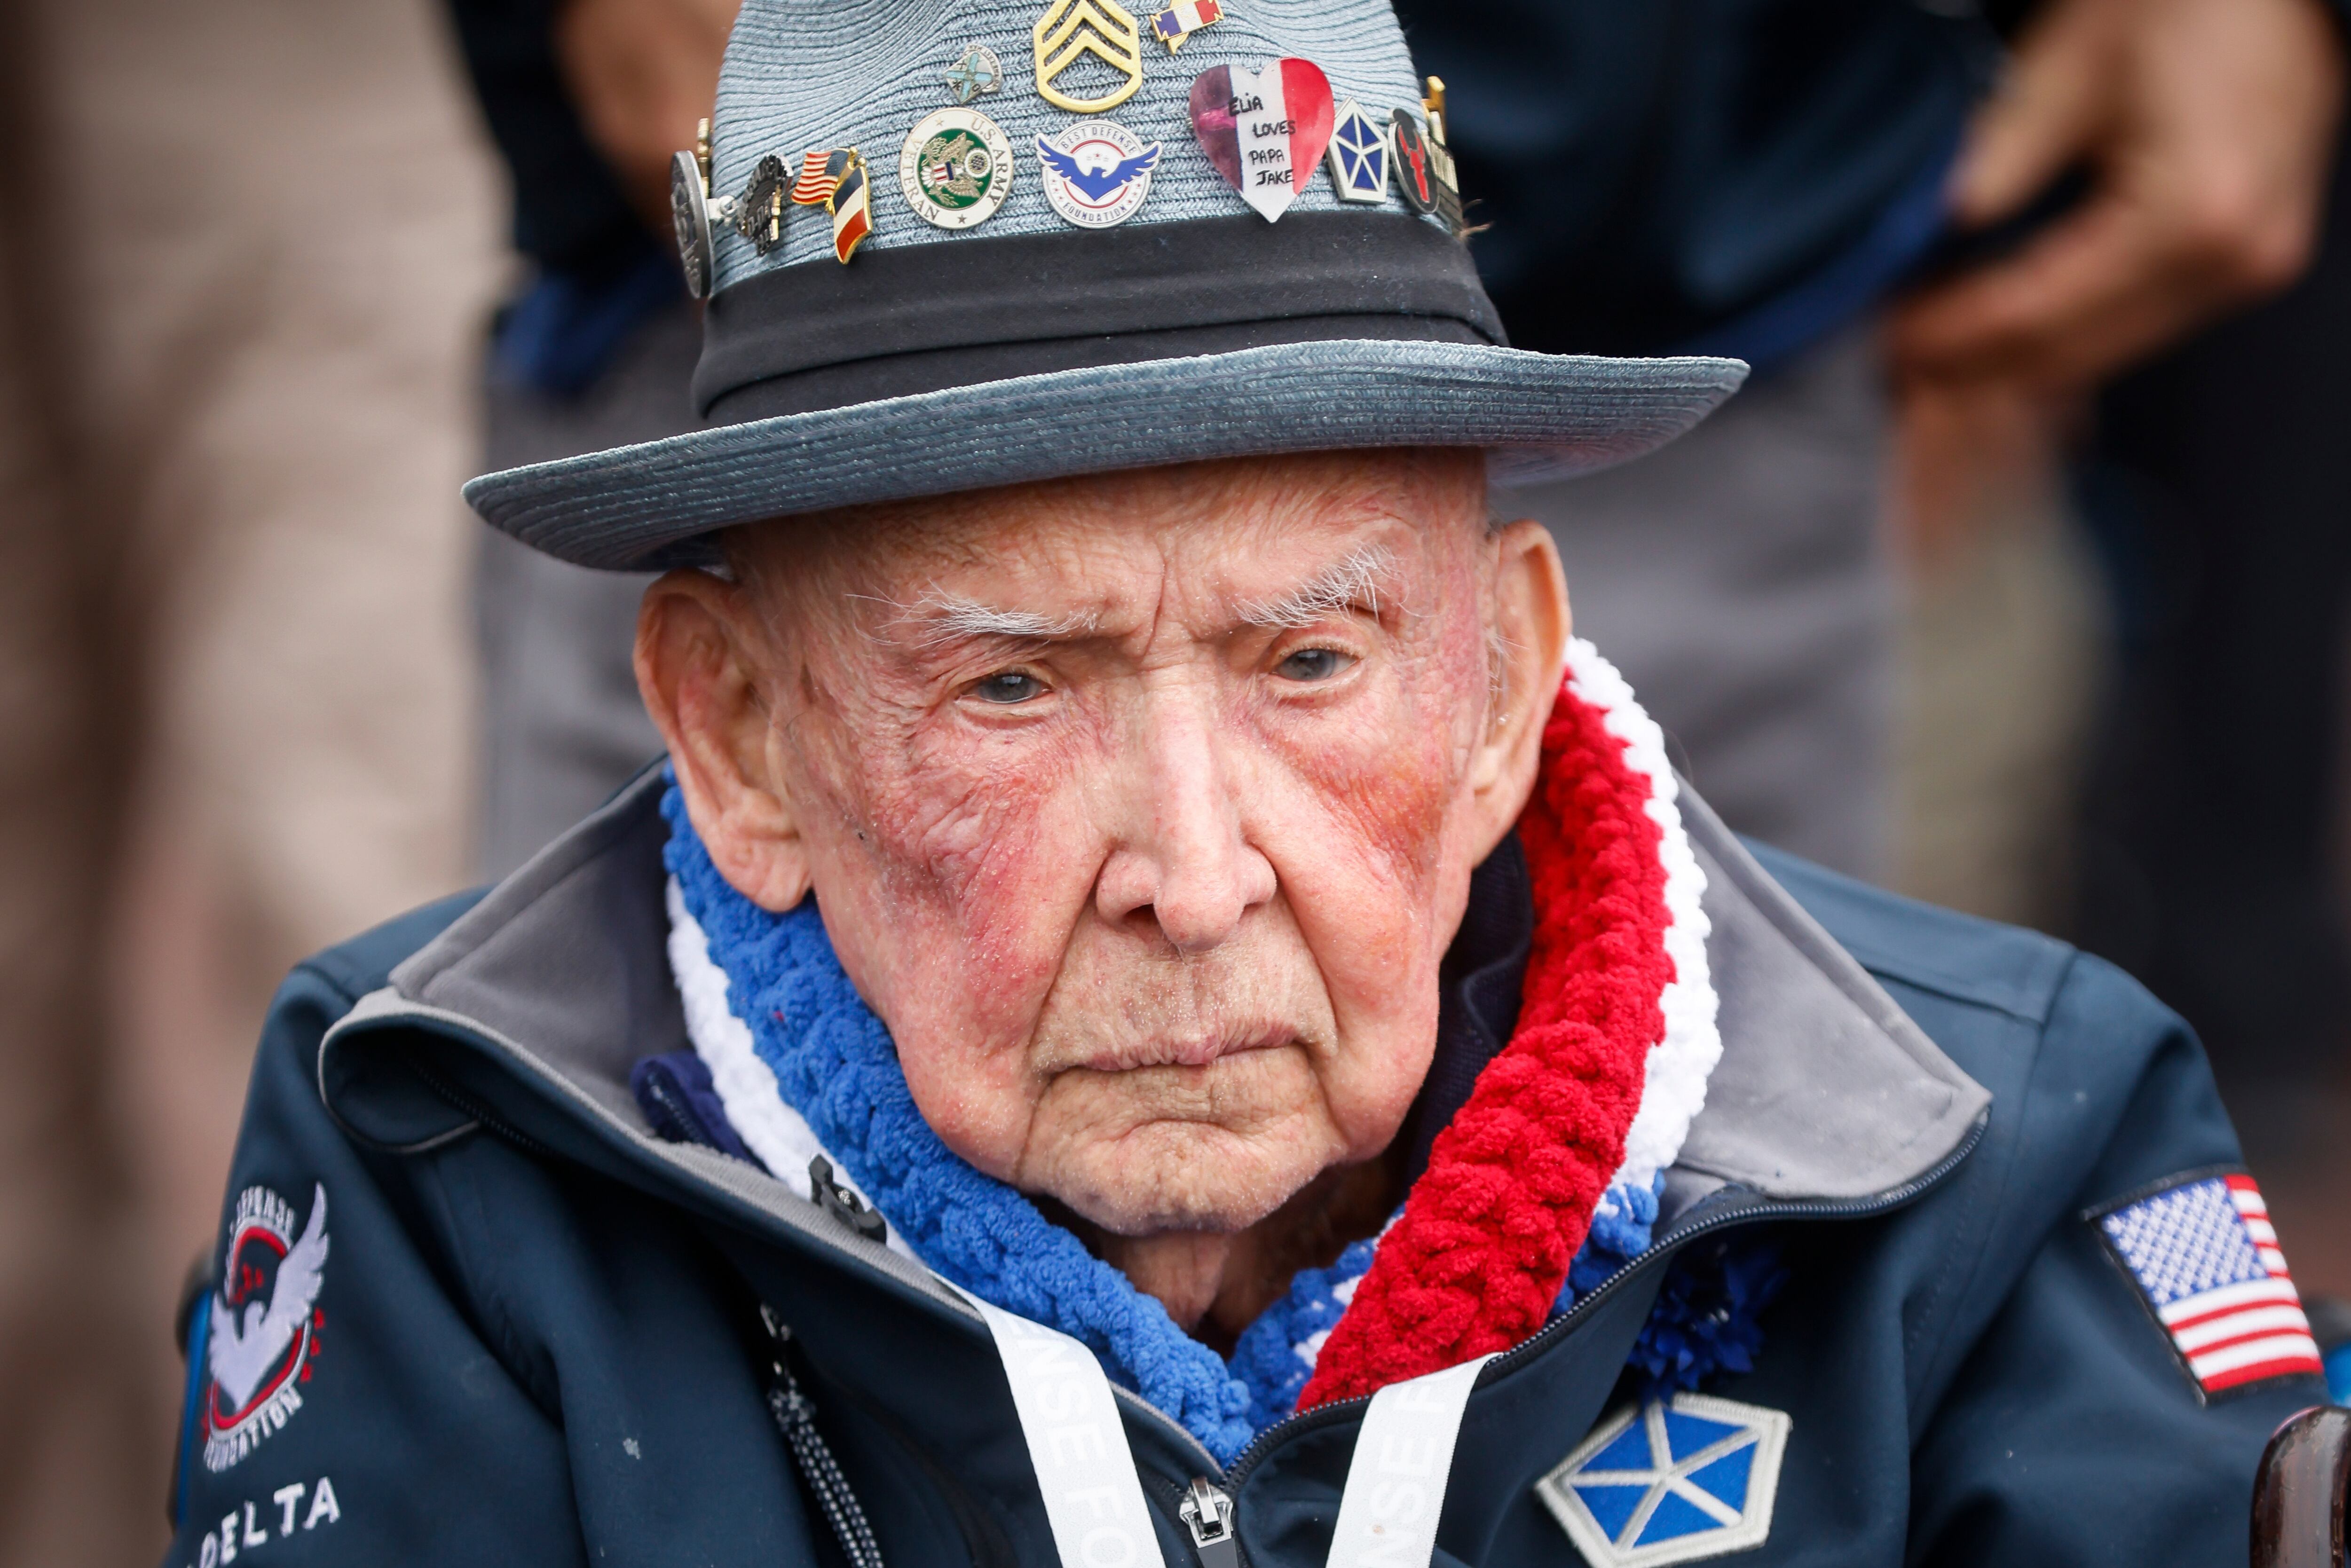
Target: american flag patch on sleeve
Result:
[2206, 1261]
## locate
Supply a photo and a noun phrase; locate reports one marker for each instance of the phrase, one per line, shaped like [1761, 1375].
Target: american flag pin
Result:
[2205, 1259]
[834, 179]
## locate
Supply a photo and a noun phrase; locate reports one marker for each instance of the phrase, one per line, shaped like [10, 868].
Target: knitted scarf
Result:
[1544, 1182]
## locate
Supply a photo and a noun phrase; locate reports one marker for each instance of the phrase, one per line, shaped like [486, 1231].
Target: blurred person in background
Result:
[245, 245]
[1936, 233]
[2215, 484]
[587, 100]
[1762, 181]
[2179, 811]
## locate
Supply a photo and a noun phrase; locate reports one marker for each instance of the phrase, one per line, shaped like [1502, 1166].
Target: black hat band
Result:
[920, 319]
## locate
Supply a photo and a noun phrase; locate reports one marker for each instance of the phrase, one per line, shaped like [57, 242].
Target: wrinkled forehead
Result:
[1237, 533]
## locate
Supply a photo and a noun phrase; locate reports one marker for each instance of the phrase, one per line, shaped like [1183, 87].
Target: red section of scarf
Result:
[1481, 1249]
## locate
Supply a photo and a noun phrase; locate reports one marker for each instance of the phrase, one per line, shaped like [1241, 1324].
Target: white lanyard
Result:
[1094, 1499]
[1395, 1482]
[1094, 1496]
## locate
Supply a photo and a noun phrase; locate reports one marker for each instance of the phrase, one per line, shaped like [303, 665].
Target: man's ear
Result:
[698, 669]
[1528, 633]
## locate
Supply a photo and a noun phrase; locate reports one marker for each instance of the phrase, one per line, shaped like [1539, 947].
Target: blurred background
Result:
[2014, 581]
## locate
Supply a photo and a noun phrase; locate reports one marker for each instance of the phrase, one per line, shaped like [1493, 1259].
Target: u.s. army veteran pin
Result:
[955, 168]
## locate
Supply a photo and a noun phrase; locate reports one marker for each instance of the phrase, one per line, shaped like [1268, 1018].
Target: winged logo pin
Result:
[1096, 185]
[1096, 172]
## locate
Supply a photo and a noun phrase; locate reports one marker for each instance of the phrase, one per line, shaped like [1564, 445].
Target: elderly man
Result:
[1162, 1007]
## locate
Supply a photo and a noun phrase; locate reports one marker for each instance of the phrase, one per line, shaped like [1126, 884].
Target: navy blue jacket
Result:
[1717, 176]
[526, 1329]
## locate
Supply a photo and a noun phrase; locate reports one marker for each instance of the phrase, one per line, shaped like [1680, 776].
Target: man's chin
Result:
[1181, 1177]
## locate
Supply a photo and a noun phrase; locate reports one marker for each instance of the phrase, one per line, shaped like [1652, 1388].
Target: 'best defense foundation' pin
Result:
[1096, 172]
[955, 168]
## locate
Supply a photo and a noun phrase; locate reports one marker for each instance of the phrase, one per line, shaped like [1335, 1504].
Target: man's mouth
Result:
[1188, 1051]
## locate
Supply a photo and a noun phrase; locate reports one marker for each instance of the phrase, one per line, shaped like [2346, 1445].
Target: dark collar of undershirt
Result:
[1479, 987]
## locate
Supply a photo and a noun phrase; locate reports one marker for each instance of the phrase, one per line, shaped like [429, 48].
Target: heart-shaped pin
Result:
[1264, 130]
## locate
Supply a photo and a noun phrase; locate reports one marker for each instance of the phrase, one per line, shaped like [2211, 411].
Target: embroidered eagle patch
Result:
[1670, 1481]
[261, 1330]
[2206, 1262]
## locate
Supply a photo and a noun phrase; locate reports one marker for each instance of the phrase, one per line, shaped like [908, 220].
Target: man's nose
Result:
[1187, 864]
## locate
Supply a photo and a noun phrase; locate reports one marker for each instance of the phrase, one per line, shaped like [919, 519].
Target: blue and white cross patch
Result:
[1670, 1482]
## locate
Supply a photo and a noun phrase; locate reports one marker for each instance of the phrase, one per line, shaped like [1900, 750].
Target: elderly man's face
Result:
[1140, 808]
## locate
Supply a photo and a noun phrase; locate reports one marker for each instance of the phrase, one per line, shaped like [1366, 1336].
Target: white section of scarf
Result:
[1675, 1080]
[746, 1086]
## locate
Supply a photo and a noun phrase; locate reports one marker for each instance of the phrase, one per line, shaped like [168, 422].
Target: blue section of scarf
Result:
[835, 1064]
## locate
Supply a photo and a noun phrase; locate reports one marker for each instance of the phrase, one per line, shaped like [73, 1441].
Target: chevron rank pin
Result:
[1070, 33]
[2205, 1259]
[1670, 1481]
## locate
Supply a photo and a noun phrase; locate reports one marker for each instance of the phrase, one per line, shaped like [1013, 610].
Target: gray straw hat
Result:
[1070, 248]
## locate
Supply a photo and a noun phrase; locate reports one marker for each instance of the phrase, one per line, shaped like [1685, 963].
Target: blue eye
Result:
[1312, 664]
[1008, 686]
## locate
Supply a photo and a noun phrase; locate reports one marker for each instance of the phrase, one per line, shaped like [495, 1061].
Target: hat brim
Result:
[1538, 417]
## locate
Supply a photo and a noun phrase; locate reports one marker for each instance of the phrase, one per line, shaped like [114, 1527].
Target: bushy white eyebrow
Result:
[946, 618]
[1351, 583]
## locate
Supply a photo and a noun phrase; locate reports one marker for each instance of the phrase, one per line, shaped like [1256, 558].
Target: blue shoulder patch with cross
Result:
[1670, 1481]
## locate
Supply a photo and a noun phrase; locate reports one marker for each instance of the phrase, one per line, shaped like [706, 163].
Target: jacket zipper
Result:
[1206, 1512]
[794, 1414]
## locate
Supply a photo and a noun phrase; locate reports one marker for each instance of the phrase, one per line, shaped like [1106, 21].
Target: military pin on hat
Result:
[835, 177]
[1181, 20]
[975, 71]
[955, 168]
[1415, 177]
[758, 209]
[1359, 155]
[756, 214]
[1440, 156]
[1070, 32]
[1096, 172]
[692, 213]
[689, 211]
